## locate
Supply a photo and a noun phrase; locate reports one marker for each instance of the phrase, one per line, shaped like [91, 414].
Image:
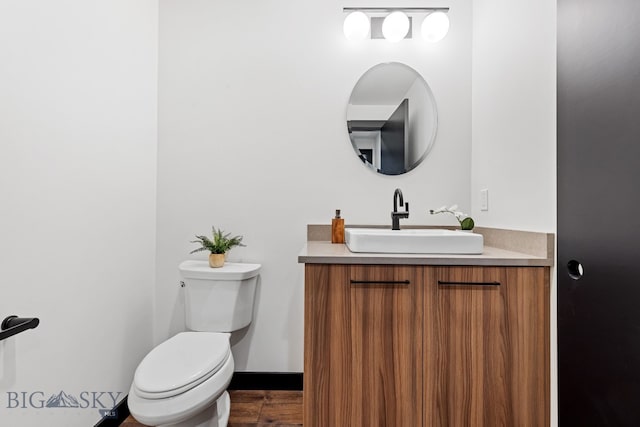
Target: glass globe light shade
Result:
[435, 27]
[356, 26]
[395, 26]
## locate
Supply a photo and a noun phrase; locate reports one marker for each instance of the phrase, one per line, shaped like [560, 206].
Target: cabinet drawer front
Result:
[363, 352]
[486, 347]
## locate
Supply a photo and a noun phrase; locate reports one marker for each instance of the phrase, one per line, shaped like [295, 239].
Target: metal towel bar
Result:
[12, 325]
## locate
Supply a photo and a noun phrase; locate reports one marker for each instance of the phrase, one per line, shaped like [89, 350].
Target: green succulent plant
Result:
[219, 244]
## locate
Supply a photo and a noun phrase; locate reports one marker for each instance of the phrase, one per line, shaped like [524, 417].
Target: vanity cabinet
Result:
[363, 351]
[412, 345]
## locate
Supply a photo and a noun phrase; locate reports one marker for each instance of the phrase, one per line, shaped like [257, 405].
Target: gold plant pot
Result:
[216, 260]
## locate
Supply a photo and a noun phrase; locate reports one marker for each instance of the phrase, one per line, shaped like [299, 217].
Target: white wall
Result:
[77, 200]
[252, 139]
[514, 124]
[514, 113]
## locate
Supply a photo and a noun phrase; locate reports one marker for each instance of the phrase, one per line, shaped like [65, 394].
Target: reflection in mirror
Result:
[392, 118]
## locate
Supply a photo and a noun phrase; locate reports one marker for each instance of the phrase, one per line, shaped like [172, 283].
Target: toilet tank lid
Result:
[193, 269]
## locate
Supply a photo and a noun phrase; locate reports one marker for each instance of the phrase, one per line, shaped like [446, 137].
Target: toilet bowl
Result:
[182, 382]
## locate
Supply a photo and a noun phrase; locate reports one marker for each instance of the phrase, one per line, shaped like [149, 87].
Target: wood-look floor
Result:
[258, 409]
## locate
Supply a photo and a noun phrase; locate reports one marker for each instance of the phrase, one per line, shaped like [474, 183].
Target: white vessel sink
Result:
[414, 241]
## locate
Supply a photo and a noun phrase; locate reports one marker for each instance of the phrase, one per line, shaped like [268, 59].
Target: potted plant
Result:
[218, 246]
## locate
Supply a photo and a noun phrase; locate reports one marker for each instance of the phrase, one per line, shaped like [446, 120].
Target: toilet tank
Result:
[218, 299]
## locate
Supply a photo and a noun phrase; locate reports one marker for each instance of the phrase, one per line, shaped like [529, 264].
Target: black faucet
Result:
[395, 215]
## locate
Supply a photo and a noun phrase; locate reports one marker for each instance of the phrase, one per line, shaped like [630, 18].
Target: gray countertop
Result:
[321, 252]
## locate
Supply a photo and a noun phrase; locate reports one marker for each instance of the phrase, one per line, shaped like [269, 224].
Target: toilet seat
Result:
[181, 402]
[181, 363]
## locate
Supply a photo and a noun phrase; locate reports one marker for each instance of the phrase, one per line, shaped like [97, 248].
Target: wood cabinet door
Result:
[363, 346]
[487, 347]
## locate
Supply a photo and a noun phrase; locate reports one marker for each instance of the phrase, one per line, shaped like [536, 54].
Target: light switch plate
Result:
[484, 199]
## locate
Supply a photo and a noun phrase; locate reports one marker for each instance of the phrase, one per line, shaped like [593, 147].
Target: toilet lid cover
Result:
[181, 360]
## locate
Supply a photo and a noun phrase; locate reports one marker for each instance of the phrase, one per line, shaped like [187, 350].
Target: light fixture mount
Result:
[394, 9]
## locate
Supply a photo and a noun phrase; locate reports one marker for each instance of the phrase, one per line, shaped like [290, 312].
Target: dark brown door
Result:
[598, 211]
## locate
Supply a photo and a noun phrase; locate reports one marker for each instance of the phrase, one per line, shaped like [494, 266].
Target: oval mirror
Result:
[392, 118]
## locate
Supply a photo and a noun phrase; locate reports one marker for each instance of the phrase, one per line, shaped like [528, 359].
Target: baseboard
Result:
[266, 381]
[115, 416]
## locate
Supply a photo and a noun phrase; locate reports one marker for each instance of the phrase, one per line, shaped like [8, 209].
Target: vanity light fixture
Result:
[356, 26]
[395, 26]
[435, 27]
[395, 23]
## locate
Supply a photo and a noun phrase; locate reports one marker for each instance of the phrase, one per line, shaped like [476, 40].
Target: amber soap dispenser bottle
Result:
[337, 228]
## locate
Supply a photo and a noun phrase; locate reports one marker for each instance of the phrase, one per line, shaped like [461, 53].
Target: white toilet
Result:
[183, 381]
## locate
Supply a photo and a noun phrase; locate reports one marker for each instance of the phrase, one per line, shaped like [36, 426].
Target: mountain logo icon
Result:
[62, 400]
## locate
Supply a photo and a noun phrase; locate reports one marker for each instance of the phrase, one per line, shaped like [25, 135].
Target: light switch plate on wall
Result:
[484, 199]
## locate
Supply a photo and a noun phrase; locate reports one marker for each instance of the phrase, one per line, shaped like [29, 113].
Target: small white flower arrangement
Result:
[466, 222]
